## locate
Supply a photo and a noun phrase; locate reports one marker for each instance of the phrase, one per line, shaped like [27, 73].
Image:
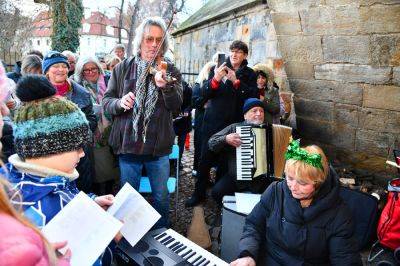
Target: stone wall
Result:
[342, 59]
[193, 48]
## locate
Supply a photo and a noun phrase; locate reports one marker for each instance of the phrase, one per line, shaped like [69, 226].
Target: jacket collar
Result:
[326, 197]
[38, 170]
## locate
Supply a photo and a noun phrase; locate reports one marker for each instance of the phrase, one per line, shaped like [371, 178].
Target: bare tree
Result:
[120, 20]
[15, 27]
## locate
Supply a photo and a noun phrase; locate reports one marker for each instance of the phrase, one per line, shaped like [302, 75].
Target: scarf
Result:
[62, 89]
[146, 99]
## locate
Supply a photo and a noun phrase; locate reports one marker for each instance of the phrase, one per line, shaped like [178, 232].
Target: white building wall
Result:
[94, 44]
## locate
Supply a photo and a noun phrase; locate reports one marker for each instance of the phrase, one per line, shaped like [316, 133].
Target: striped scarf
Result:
[145, 101]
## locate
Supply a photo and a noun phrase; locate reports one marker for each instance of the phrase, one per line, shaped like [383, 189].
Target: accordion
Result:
[262, 151]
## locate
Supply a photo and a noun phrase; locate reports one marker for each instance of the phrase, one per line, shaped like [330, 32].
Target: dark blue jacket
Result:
[81, 97]
[225, 104]
[15, 75]
[280, 232]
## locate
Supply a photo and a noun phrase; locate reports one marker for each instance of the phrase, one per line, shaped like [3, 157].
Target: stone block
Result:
[373, 142]
[347, 93]
[346, 115]
[379, 120]
[299, 70]
[353, 73]
[308, 89]
[382, 97]
[336, 3]
[372, 2]
[257, 52]
[343, 136]
[396, 76]
[380, 18]
[301, 48]
[316, 110]
[286, 23]
[314, 130]
[325, 20]
[346, 49]
[385, 50]
[293, 5]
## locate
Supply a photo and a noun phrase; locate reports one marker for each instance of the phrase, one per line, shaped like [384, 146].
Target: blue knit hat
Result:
[250, 103]
[51, 58]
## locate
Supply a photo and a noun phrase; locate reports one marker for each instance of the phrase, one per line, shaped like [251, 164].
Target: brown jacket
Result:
[160, 134]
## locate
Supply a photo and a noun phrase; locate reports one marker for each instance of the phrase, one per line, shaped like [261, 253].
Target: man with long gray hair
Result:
[141, 103]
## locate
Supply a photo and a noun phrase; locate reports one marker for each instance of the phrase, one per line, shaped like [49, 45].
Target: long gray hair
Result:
[140, 31]
[78, 75]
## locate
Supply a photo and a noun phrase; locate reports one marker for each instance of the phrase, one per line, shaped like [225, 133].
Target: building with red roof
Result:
[99, 33]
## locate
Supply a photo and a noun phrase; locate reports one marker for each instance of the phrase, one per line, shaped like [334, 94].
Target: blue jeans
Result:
[157, 169]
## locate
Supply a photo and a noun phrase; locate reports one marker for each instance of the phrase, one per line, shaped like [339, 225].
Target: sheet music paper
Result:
[87, 228]
[136, 213]
[245, 202]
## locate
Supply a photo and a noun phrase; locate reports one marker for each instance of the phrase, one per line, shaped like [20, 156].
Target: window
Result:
[38, 42]
[48, 42]
[88, 41]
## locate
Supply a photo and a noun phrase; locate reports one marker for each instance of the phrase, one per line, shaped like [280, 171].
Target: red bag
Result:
[389, 222]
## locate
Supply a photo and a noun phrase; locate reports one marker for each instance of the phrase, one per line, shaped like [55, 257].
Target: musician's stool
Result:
[172, 183]
[232, 227]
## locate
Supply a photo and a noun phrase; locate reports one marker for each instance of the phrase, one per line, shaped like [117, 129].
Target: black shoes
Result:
[194, 201]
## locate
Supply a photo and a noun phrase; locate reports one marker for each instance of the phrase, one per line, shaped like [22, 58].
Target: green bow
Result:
[296, 153]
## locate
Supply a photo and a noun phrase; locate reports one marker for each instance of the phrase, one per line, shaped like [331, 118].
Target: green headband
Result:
[296, 153]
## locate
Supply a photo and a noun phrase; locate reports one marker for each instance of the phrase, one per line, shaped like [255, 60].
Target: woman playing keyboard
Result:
[301, 220]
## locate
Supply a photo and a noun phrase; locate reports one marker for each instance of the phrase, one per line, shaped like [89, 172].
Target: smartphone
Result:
[397, 156]
[221, 59]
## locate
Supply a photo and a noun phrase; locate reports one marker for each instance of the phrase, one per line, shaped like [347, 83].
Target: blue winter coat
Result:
[280, 232]
[42, 198]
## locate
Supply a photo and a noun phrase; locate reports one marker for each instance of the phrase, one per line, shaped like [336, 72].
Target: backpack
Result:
[364, 210]
[389, 225]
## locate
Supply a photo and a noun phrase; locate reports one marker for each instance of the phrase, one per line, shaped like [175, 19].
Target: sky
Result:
[30, 8]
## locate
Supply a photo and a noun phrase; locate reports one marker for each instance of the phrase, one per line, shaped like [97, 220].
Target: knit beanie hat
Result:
[51, 58]
[250, 103]
[46, 124]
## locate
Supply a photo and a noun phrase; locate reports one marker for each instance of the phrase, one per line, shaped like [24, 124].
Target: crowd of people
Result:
[79, 123]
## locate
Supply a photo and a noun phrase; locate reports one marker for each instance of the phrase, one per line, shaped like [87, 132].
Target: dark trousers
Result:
[181, 144]
[86, 171]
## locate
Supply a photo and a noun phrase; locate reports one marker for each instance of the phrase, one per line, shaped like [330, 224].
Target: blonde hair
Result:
[204, 72]
[7, 208]
[306, 172]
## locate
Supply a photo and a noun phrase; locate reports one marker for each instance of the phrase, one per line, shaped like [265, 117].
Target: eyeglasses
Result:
[93, 70]
[151, 39]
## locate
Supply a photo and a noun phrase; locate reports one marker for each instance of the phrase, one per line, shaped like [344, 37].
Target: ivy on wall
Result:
[67, 21]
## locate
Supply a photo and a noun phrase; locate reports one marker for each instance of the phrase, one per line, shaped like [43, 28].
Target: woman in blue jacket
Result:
[301, 220]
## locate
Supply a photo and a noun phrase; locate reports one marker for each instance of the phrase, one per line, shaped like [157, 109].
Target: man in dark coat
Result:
[141, 105]
[224, 144]
[183, 122]
[229, 85]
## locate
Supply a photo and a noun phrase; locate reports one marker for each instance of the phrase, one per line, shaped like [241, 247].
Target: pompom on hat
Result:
[47, 124]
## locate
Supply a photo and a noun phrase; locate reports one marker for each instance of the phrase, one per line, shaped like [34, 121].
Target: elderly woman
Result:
[268, 92]
[90, 75]
[55, 66]
[301, 220]
[112, 61]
